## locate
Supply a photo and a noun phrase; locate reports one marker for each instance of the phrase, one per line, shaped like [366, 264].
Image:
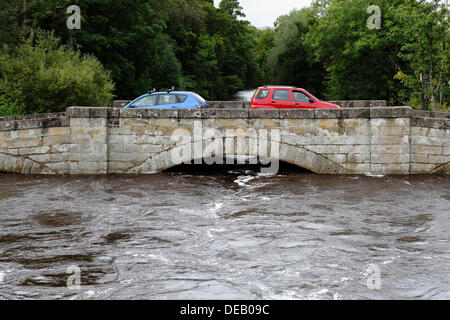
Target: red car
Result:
[280, 97]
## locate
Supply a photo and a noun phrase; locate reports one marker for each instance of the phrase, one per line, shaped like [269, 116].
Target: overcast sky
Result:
[263, 13]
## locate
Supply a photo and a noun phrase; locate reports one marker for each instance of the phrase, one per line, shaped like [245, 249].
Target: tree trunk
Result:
[441, 89]
[24, 11]
[430, 51]
[422, 93]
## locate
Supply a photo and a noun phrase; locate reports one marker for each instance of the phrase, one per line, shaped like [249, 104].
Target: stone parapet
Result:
[360, 103]
[50, 120]
[91, 140]
[388, 112]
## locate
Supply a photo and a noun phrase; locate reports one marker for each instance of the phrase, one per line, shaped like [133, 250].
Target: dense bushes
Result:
[40, 76]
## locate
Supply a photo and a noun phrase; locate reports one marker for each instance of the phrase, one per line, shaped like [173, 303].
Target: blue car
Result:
[169, 100]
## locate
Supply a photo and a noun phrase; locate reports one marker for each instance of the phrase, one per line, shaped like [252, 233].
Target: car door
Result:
[168, 101]
[281, 99]
[261, 99]
[145, 102]
[302, 100]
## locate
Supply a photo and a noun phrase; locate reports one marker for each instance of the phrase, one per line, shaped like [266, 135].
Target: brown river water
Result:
[230, 234]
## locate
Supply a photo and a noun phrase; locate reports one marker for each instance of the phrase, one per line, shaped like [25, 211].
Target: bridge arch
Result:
[291, 154]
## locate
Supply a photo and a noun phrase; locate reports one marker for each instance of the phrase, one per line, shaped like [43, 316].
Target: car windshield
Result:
[313, 96]
[262, 94]
[300, 96]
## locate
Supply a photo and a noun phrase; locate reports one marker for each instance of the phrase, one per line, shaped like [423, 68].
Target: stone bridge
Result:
[88, 140]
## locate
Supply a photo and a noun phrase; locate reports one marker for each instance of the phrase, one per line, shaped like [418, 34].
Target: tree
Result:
[128, 38]
[10, 19]
[423, 28]
[290, 61]
[159, 44]
[359, 62]
[43, 76]
[231, 7]
[264, 44]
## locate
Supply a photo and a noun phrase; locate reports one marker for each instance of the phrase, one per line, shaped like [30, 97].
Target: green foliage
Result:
[329, 49]
[427, 56]
[147, 44]
[8, 108]
[326, 48]
[43, 76]
[358, 60]
[127, 38]
[231, 7]
[10, 20]
[264, 43]
[290, 60]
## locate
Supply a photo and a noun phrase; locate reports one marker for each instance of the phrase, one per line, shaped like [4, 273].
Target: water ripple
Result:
[224, 236]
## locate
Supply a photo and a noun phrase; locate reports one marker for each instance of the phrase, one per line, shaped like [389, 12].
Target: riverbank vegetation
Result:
[125, 48]
[39, 77]
[329, 48]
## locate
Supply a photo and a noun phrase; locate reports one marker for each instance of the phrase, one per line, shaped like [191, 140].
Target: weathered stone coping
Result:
[431, 114]
[388, 112]
[360, 103]
[418, 118]
[49, 120]
[34, 116]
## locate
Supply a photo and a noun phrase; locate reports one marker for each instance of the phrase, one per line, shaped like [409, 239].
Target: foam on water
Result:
[243, 180]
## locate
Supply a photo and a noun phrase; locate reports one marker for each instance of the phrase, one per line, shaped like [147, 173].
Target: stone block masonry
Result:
[359, 140]
[38, 144]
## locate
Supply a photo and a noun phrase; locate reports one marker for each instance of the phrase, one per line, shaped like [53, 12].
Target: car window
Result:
[181, 98]
[311, 95]
[199, 98]
[300, 96]
[262, 94]
[167, 99]
[145, 101]
[281, 95]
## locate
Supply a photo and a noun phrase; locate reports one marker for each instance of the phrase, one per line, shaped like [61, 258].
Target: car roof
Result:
[168, 92]
[280, 87]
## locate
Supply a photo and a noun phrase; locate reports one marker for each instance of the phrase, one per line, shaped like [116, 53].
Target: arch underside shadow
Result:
[294, 155]
[236, 165]
[442, 168]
